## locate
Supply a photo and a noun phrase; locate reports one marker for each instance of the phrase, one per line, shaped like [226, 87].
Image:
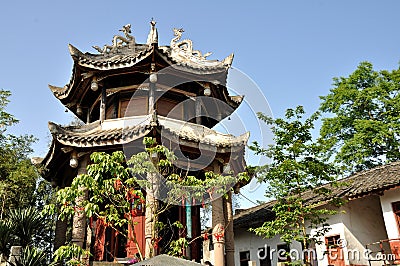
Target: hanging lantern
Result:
[153, 77]
[207, 92]
[79, 110]
[94, 86]
[73, 162]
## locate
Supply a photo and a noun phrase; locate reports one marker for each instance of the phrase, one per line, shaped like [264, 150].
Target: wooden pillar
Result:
[88, 116]
[189, 233]
[149, 225]
[89, 233]
[229, 237]
[60, 233]
[152, 98]
[198, 110]
[151, 216]
[103, 104]
[79, 219]
[100, 240]
[196, 244]
[218, 223]
[152, 87]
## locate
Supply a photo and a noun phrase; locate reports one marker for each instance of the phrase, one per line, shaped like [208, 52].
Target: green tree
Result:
[21, 188]
[17, 174]
[299, 168]
[363, 122]
[112, 195]
[114, 188]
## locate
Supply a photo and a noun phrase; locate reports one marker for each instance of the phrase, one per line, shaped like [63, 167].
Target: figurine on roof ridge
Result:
[185, 46]
[153, 34]
[118, 41]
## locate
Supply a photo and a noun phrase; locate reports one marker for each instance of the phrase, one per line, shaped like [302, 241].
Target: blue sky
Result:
[290, 49]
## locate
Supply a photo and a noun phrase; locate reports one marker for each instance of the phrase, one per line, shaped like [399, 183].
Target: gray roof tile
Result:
[360, 184]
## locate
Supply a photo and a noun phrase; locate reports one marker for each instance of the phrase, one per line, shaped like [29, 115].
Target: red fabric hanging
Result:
[100, 238]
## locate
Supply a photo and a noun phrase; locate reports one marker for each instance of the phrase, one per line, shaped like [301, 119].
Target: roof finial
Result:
[152, 38]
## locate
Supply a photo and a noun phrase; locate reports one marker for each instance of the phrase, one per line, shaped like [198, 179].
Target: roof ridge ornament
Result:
[119, 42]
[228, 60]
[152, 38]
[185, 47]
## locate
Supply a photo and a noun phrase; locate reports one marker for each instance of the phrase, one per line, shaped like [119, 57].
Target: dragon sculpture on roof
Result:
[118, 41]
[185, 46]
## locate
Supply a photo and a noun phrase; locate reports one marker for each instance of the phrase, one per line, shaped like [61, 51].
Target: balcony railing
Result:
[387, 251]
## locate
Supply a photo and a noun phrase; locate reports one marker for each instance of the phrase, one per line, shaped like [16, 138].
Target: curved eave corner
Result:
[244, 138]
[56, 90]
[62, 92]
[237, 99]
[75, 53]
[43, 165]
[241, 164]
[228, 60]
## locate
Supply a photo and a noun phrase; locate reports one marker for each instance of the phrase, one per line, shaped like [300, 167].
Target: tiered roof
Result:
[126, 130]
[114, 133]
[124, 55]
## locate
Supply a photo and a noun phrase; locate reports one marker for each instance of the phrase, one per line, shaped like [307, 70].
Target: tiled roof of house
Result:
[253, 217]
[373, 181]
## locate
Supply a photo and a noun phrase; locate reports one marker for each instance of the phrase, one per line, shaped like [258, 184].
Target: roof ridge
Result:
[348, 190]
[366, 171]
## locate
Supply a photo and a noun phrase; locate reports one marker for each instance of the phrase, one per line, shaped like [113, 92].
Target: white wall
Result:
[336, 228]
[246, 241]
[359, 222]
[364, 225]
[390, 222]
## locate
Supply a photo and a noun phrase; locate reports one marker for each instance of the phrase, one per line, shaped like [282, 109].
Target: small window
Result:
[244, 258]
[283, 253]
[264, 256]
[332, 241]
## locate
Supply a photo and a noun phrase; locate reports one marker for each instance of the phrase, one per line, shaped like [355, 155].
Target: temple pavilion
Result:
[126, 91]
